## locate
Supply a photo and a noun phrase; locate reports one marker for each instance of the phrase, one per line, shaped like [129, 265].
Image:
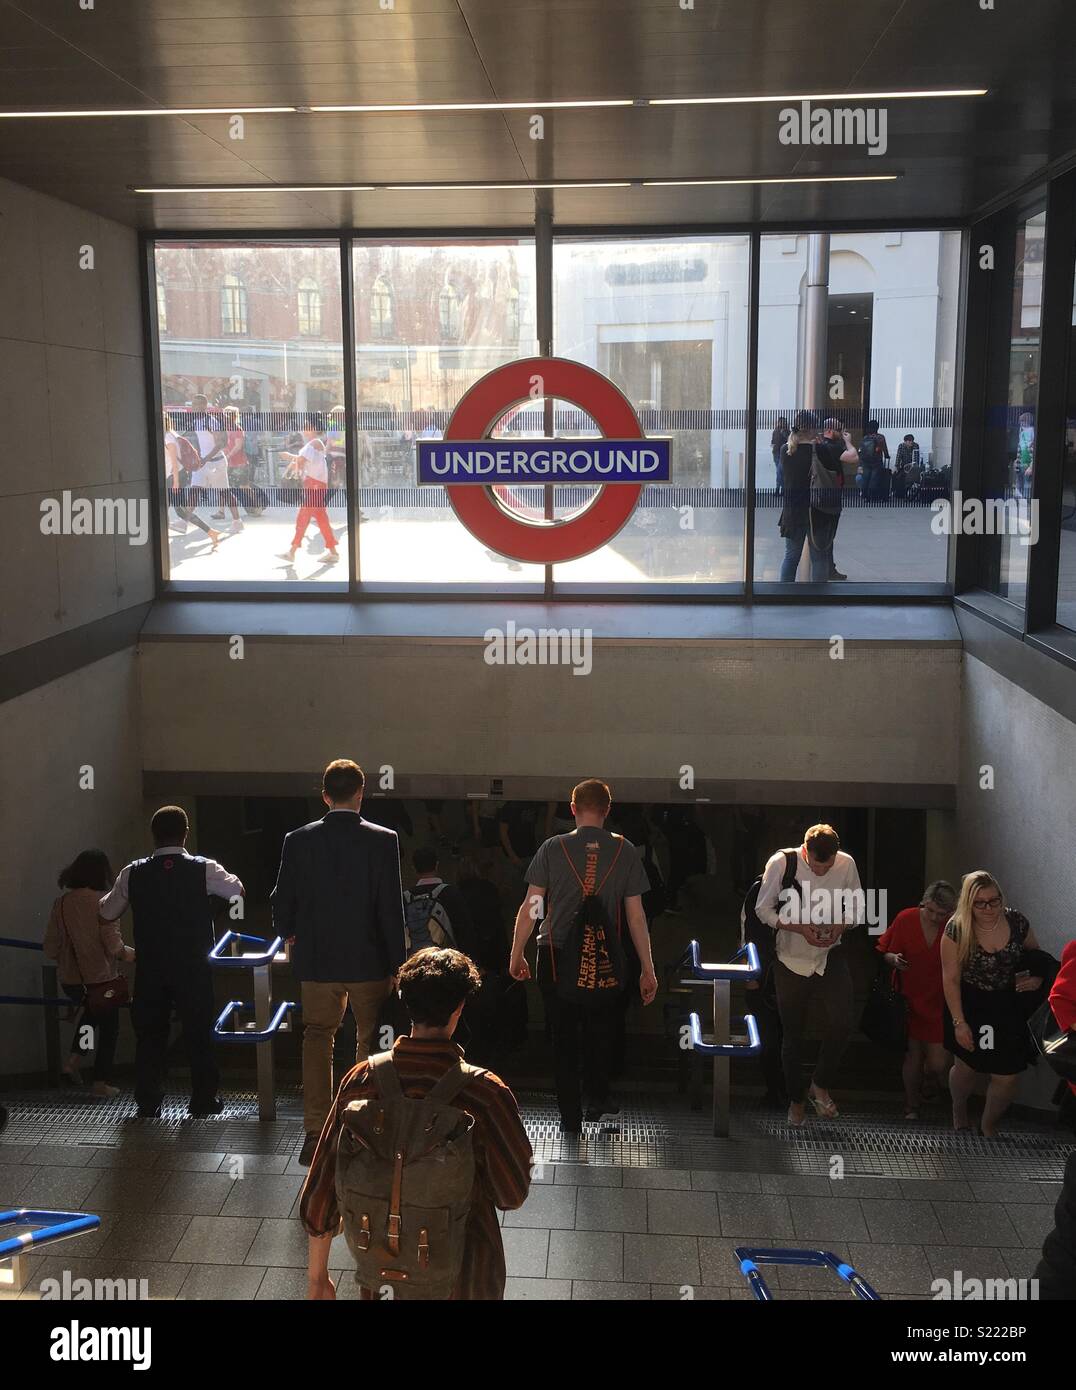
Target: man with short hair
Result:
[434, 986]
[430, 888]
[823, 903]
[169, 894]
[825, 512]
[339, 900]
[588, 860]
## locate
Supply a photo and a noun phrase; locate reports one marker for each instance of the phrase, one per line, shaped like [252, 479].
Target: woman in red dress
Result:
[912, 946]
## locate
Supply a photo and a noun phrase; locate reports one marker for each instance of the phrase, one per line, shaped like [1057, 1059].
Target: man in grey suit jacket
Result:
[339, 900]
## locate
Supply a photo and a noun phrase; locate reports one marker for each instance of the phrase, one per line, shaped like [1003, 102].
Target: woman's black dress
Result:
[988, 995]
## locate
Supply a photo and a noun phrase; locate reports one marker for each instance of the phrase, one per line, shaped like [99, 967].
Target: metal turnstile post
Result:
[50, 989]
[722, 1068]
[262, 1008]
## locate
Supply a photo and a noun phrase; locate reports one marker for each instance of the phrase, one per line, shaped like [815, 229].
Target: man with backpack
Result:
[809, 911]
[435, 913]
[339, 901]
[581, 887]
[762, 1001]
[873, 457]
[418, 1153]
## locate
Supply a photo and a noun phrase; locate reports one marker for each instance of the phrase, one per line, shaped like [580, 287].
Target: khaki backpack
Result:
[404, 1180]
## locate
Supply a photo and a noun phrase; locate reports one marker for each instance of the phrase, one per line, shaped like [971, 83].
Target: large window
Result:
[1066, 577]
[857, 333]
[666, 319]
[1012, 393]
[254, 429]
[446, 306]
[853, 327]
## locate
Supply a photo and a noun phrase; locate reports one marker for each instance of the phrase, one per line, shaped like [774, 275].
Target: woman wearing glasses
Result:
[985, 1021]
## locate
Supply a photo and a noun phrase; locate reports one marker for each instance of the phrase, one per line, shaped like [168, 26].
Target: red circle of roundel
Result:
[479, 410]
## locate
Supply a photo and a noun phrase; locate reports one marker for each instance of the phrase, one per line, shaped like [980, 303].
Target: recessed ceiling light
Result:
[420, 106]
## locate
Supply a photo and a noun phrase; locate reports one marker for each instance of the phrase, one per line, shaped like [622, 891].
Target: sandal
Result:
[793, 1123]
[911, 1114]
[826, 1109]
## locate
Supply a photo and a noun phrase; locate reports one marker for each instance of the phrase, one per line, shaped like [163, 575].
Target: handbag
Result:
[104, 997]
[825, 487]
[885, 1018]
[1056, 1044]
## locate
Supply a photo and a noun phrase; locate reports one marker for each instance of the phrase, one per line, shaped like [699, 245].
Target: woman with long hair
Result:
[985, 1021]
[88, 952]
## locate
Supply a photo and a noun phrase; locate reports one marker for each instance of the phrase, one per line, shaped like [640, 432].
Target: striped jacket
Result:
[501, 1148]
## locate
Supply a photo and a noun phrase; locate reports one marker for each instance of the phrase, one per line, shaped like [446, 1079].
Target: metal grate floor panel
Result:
[650, 1132]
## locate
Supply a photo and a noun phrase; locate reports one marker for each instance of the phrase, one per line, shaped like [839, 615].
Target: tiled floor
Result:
[224, 1226]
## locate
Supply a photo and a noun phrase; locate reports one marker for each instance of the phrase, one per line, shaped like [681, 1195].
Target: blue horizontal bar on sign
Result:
[490, 461]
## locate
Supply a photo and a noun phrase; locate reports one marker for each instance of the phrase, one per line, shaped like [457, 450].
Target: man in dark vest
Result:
[339, 900]
[169, 894]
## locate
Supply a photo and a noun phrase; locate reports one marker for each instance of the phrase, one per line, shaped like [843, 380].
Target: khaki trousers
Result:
[323, 1012]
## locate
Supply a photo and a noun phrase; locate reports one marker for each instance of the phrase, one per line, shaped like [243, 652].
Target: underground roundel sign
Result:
[478, 472]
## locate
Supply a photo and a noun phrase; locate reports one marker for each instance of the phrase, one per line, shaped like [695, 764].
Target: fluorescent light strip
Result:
[507, 187]
[539, 105]
[263, 188]
[486, 187]
[149, 111]
[803, 178]
[828, 97]
[484, 105]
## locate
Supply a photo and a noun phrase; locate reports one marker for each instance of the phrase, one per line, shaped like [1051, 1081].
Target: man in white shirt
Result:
[169, 894]
[809, 922]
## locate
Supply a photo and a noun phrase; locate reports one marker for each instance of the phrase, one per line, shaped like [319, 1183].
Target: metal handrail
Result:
[30, 999]
[52, 1226]
[692, 960]
[250, 1035]
[751, 1048]
[248, 961]
[17, 941]
[749, 1258]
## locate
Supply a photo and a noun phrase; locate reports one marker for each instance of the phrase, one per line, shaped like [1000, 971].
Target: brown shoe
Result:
[306, 1156]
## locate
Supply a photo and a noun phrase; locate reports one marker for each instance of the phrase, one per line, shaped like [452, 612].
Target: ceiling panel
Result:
[952, 155]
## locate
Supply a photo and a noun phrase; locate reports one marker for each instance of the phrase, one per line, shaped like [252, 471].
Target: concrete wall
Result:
[88, 718]
[732, 710]
[72, 398]
[1022, 828]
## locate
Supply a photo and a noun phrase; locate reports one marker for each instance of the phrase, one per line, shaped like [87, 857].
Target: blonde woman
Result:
[985, 1023]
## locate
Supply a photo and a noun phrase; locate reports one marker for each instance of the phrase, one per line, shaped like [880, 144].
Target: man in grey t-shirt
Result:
[611, 868]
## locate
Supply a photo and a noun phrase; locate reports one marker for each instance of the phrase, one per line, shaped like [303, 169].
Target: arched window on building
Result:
[233, 305]
[449, 313]
[382, 309]
[309, 309]
[162, 307]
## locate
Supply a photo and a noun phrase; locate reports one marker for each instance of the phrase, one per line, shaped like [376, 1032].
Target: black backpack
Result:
[868, 450]
[590, 966]
[759, 932]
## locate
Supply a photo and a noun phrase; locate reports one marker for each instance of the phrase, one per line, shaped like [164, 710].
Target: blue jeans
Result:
[780, 471]
[793, 551]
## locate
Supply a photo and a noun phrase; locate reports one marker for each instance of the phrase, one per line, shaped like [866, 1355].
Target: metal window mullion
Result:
[751, 440]
[351, 454]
